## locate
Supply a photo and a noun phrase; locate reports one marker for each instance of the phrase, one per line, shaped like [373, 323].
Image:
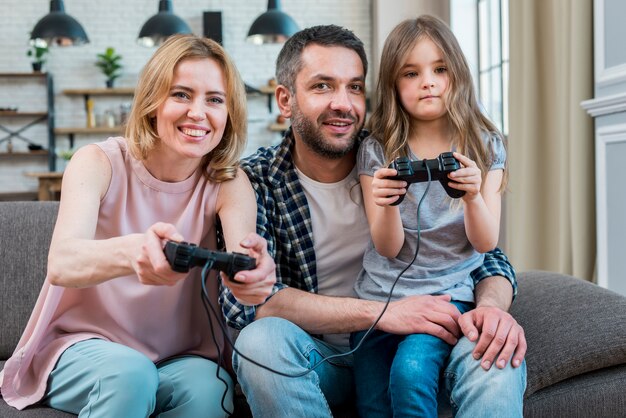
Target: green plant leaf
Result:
[109, 63]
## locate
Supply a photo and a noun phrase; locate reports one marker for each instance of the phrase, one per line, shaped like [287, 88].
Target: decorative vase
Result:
[36, 67]
[110, 83]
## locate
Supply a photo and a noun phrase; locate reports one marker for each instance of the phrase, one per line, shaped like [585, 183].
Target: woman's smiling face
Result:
[192, 120]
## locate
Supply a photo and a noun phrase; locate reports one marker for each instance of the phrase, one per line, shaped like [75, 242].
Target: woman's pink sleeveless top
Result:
[158, 321]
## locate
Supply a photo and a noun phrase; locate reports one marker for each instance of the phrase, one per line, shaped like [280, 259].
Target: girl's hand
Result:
[384, 190]
[252, 287]
[467, 178]
[151, 266]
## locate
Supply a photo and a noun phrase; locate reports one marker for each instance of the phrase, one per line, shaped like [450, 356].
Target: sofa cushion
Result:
[595, 394]
[25, 233]
[572, 327]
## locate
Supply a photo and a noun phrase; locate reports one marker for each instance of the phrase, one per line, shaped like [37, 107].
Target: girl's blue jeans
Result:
[97, 378]
[398, 375]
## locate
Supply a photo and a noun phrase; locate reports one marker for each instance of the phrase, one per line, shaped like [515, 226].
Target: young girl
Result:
[427, 106]
[116, 332]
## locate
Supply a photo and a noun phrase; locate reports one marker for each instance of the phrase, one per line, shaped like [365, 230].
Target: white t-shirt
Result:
[340, 236]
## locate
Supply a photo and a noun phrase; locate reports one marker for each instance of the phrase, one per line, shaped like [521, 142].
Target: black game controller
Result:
[415, 172]
[183, 255]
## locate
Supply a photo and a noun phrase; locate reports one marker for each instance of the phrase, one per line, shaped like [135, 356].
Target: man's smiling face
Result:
[328, 106]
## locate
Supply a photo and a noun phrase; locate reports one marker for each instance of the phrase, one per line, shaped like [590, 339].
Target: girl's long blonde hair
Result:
[390, 123]
[153, 88]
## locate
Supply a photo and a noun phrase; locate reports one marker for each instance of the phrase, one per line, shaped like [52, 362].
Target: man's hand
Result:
[498, 335]
[425, 314]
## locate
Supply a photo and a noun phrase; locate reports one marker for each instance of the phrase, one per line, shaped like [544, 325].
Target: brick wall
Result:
[116, 23]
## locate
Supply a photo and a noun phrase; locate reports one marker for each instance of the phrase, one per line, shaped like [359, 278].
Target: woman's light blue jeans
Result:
[97, 378]
[282, 345]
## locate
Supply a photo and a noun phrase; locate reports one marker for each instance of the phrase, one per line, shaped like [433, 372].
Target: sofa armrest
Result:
[572, 327]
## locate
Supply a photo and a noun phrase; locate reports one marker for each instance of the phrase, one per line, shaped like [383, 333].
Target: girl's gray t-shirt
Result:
[445, 258]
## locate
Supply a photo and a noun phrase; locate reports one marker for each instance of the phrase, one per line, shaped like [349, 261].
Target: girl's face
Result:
[192, 120]
[423, 81]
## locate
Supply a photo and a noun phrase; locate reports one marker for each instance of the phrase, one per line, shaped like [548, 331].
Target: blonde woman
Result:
[115, 331]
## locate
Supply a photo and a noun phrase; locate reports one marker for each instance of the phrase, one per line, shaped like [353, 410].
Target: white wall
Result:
[116, 23]
[608, 108]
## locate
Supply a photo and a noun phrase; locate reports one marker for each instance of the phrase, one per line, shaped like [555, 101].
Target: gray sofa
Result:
[576, 331]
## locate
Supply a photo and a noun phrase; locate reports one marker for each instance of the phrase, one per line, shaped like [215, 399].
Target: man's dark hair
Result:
[289, 61]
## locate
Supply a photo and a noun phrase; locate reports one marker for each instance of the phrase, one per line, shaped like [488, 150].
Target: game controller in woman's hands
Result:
[183, 255]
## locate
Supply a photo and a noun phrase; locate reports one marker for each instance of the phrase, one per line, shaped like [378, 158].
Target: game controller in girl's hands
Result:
[417, 171]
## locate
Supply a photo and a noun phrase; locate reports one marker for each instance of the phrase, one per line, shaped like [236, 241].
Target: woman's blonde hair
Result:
[390, 123]
[153, 88]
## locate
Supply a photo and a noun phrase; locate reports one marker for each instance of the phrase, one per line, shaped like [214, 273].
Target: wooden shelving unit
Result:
[7, 134]
[87, 94]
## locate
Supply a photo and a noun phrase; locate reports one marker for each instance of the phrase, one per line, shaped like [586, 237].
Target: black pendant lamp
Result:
[273, 26]
[58, 28]
[162, 25]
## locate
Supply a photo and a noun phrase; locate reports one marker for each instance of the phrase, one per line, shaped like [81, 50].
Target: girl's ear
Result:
[283, 99]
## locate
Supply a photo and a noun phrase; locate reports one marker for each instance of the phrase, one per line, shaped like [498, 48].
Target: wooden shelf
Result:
[120, 91]
[38, 153]
[85, 130]
[278, 127]
[31, 74]
[17, 113]
[267, 89]
[45, 174]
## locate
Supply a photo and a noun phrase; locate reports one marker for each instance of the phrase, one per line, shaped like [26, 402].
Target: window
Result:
[482, 28]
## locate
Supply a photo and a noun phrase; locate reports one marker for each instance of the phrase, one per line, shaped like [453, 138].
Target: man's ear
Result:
[283, 99]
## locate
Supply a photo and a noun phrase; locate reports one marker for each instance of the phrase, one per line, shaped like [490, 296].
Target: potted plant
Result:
[65, 156]
[38, 54]
[109, 63]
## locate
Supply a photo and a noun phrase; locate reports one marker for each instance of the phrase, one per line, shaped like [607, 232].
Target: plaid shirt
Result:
[284, 220]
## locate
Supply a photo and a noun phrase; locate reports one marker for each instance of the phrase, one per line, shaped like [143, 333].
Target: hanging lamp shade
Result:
[273, 26]
[58, 28]
[162, 25]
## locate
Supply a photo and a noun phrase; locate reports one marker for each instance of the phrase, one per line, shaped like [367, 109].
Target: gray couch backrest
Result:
[25, 233]
[572, 327]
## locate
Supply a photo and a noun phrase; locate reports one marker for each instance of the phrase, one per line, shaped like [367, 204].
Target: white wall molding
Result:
[604, 136]
[605, 76]
[601, 106]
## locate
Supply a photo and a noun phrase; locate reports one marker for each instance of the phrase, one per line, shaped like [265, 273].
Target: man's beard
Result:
[312, 136]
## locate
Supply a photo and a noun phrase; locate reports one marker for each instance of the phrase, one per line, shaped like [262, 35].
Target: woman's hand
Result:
[467, 178]
[384, 190]
[252, 287]
[150, 264]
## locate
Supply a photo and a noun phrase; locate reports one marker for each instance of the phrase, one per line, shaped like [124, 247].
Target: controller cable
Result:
[208, 305]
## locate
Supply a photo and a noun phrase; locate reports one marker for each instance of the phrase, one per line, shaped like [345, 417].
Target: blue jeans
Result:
[469, 390]
[284, 346]
[98, 378]
[398, 375]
